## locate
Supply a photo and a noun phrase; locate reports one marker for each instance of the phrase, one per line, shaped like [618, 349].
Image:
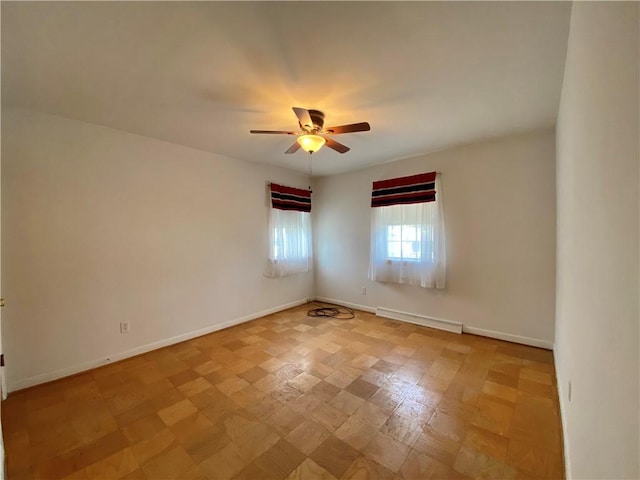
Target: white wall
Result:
[499, 204]
[101, 226]
[597, 271]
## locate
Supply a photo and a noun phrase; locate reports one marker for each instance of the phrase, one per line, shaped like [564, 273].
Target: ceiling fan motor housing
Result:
[317, 117]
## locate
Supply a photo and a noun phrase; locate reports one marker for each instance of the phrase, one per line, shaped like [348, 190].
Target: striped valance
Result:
[289, 198]
[413, 189]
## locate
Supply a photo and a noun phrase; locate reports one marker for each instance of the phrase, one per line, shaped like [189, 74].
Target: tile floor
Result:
[288, 396]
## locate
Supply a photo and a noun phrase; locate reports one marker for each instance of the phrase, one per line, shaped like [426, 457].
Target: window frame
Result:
[401, 243]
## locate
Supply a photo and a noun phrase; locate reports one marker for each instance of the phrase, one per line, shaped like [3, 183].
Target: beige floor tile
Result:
[144, 428]
[308, 470]
[418, 465]
[329, 416]
[447, 426]
[402, 429]
[231, 385]
[493, 415]
[346, 402]
[272, 364]
[503, 392]
[364, 468]
[176, 412]
[195, 386]
[471, 462]
[307, 436]
[251, 438]
[205, 443]
[532, 460]
[253, 472]
[373, 414]
[253, 374]
[440, 447]
[362, 388]
[341, 378]
[536, 376]
[486, 442]
[387, 452]
[415, 411]
[304, 381]
[171, 464]
[283, 420]
[334, 455]
[115, 466]
[190, 426]
[224, 464]
[281, 459]
[153, 446]
[356, 432]
[386, 399]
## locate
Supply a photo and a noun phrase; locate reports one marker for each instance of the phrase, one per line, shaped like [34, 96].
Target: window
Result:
[289, 228]
[407, 239]
[403, 242]
[289, 241]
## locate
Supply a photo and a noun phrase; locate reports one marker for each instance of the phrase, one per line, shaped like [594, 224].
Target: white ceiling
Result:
[425, 75]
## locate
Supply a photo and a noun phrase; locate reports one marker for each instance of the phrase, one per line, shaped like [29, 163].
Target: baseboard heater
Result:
[431, 322]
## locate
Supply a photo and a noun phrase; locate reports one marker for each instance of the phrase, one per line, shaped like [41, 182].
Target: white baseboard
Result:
[441, 324]
[65, 372]
[431, 322]
[533, 342]
[355, 306]
[563, 415]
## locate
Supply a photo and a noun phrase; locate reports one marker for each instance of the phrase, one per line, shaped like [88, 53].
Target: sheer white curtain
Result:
[289, 243]
[408, 244]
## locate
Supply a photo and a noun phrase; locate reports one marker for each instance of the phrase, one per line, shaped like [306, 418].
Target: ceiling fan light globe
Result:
[311, 143]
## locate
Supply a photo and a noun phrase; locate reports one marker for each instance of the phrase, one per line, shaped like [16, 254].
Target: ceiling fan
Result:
[313, 135]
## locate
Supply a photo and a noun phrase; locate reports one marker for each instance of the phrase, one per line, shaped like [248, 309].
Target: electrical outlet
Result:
[569, 391]
[363, 290]
[124, 327]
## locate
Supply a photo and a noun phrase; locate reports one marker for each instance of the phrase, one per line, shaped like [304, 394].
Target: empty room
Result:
[320, 240]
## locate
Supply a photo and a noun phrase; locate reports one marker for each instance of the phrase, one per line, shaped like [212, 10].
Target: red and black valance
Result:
[403, 190]
[289, 198]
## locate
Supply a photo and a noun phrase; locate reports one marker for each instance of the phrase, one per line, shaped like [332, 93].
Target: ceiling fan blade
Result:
[277, 132]
[338, 147]
[293, 148]
[303, 117]
[353, 127]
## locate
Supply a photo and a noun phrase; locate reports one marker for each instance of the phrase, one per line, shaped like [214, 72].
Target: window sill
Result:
[390, 261]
